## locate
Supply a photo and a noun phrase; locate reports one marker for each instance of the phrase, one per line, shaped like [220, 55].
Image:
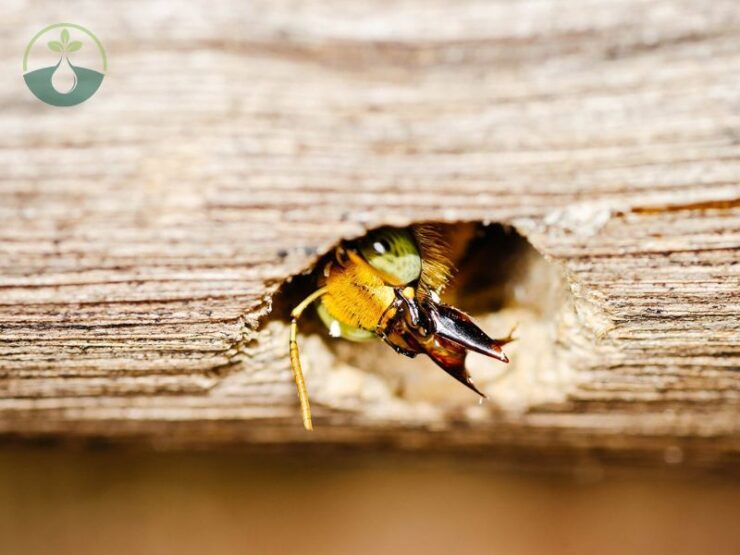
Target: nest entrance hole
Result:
[501, 281]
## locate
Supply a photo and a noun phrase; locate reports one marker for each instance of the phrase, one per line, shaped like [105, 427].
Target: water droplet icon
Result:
[64, 78]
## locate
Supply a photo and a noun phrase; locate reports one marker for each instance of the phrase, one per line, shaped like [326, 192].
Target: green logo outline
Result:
[62, 99]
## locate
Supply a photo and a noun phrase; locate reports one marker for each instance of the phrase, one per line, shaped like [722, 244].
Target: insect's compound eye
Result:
[393, 252]
[382, 246]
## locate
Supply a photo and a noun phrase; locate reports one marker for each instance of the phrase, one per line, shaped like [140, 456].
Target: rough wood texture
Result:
[143, 233]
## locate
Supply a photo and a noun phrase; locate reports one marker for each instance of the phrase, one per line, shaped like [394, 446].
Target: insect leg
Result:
[295, 361]
[382, 325]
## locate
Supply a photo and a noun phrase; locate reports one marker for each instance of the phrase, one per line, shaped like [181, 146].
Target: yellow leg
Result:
[295, 361]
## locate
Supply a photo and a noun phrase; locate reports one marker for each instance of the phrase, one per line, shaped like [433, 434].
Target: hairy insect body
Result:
[356, 296]
[387, 285]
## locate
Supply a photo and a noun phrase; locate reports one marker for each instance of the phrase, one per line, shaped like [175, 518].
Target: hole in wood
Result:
[501, 281]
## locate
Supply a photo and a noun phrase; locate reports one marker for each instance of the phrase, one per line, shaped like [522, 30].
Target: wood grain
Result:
[143, 233]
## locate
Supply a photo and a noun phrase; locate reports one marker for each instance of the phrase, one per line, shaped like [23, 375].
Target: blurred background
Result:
[328, 501]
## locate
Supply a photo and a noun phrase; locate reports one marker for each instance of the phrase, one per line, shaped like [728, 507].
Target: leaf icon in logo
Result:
[65, 46]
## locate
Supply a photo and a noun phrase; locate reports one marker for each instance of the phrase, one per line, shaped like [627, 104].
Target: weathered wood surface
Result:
[143, 232]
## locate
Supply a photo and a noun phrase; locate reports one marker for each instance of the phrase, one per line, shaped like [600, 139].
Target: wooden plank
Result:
[144, 232]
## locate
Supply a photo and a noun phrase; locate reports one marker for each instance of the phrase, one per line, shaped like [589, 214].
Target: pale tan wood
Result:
[143, 233]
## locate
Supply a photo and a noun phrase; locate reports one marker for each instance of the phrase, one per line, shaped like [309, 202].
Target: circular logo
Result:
[64, 64]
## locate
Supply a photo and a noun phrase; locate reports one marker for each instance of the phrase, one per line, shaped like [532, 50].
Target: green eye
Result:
[393, 252]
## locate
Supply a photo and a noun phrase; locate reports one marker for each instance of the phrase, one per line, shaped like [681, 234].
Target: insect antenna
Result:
[295, 361]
